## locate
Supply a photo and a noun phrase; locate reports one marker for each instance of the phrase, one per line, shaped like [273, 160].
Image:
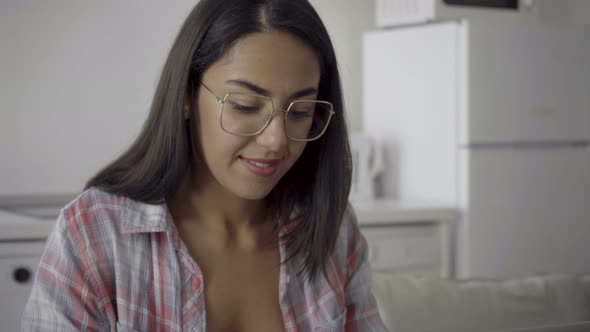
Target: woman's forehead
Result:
[271, 59]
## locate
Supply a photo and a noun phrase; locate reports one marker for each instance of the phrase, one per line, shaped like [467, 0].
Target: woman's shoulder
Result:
[95, 210]
[93, 198]
[93, 205]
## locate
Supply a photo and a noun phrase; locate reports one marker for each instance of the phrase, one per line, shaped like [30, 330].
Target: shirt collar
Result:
[138, 217]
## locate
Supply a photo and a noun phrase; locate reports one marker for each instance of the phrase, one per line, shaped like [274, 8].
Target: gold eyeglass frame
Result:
[269, 118]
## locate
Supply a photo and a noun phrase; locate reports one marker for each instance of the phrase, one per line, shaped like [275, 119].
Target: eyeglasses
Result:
[245, 114]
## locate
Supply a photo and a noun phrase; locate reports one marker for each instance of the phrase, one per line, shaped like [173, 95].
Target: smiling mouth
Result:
[260, 167]
[255, 163]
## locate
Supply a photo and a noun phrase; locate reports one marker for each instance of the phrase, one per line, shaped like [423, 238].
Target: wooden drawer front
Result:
[412, 249]
[18, 264]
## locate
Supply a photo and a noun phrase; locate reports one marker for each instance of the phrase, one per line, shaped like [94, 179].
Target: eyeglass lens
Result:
[247, 114]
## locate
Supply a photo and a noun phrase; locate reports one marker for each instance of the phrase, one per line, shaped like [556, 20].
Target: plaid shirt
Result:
[114, 264]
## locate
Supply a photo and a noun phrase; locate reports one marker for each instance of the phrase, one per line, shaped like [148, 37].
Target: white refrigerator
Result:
[493, 119]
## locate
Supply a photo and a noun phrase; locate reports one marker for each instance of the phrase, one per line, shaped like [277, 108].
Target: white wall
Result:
[78, 77]
[572, 11]
[581, 14]
[9, 88]
[346, 20]
[79, 82]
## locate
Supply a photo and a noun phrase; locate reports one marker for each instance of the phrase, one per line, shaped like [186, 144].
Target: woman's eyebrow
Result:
[262, 91]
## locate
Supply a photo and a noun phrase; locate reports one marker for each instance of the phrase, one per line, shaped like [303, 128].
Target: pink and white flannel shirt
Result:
[115, 264]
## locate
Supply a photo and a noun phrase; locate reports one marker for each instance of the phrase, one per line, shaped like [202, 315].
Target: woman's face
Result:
[281, 66]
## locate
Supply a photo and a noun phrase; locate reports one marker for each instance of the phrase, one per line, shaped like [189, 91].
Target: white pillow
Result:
[410, 304]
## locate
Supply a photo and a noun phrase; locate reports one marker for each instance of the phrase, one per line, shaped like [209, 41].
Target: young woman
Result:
[229, 212]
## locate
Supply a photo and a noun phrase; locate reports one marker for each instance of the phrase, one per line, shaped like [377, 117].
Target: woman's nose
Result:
[274, 137]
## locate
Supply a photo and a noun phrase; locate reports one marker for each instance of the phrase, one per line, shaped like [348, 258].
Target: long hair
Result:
[318, 184]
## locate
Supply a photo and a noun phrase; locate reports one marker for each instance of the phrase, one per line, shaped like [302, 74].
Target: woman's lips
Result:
[261, 167]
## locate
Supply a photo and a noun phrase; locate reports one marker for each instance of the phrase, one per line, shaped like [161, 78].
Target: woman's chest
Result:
[232, 293]
[223, 293]
[243, 295]
[241, 288]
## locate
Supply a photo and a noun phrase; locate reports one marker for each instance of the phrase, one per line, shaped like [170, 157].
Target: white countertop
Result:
[383, 211]
[15, 226]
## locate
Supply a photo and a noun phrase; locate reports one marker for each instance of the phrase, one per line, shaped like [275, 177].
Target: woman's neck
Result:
[203, 204]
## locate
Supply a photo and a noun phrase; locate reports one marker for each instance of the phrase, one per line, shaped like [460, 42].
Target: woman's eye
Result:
[245, 108]
[300, 114]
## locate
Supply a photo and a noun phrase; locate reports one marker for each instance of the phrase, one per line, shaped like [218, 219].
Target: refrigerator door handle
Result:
[521, 145]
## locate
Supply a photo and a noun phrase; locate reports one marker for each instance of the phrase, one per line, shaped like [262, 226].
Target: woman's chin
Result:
[254, 192]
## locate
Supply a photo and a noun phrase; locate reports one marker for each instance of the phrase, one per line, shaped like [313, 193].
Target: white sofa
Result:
[413, 304]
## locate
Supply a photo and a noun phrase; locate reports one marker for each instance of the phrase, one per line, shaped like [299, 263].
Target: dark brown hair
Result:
[318, 184]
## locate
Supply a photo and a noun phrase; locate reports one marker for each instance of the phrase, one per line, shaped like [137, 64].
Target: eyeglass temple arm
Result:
[219, 100]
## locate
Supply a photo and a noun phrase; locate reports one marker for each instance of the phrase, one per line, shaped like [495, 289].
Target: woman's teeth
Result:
[257, 164]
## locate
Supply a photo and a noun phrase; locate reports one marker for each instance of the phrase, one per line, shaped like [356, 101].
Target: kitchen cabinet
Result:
[412, 238]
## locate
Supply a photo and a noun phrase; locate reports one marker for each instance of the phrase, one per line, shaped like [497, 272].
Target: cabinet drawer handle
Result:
[21, 275]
